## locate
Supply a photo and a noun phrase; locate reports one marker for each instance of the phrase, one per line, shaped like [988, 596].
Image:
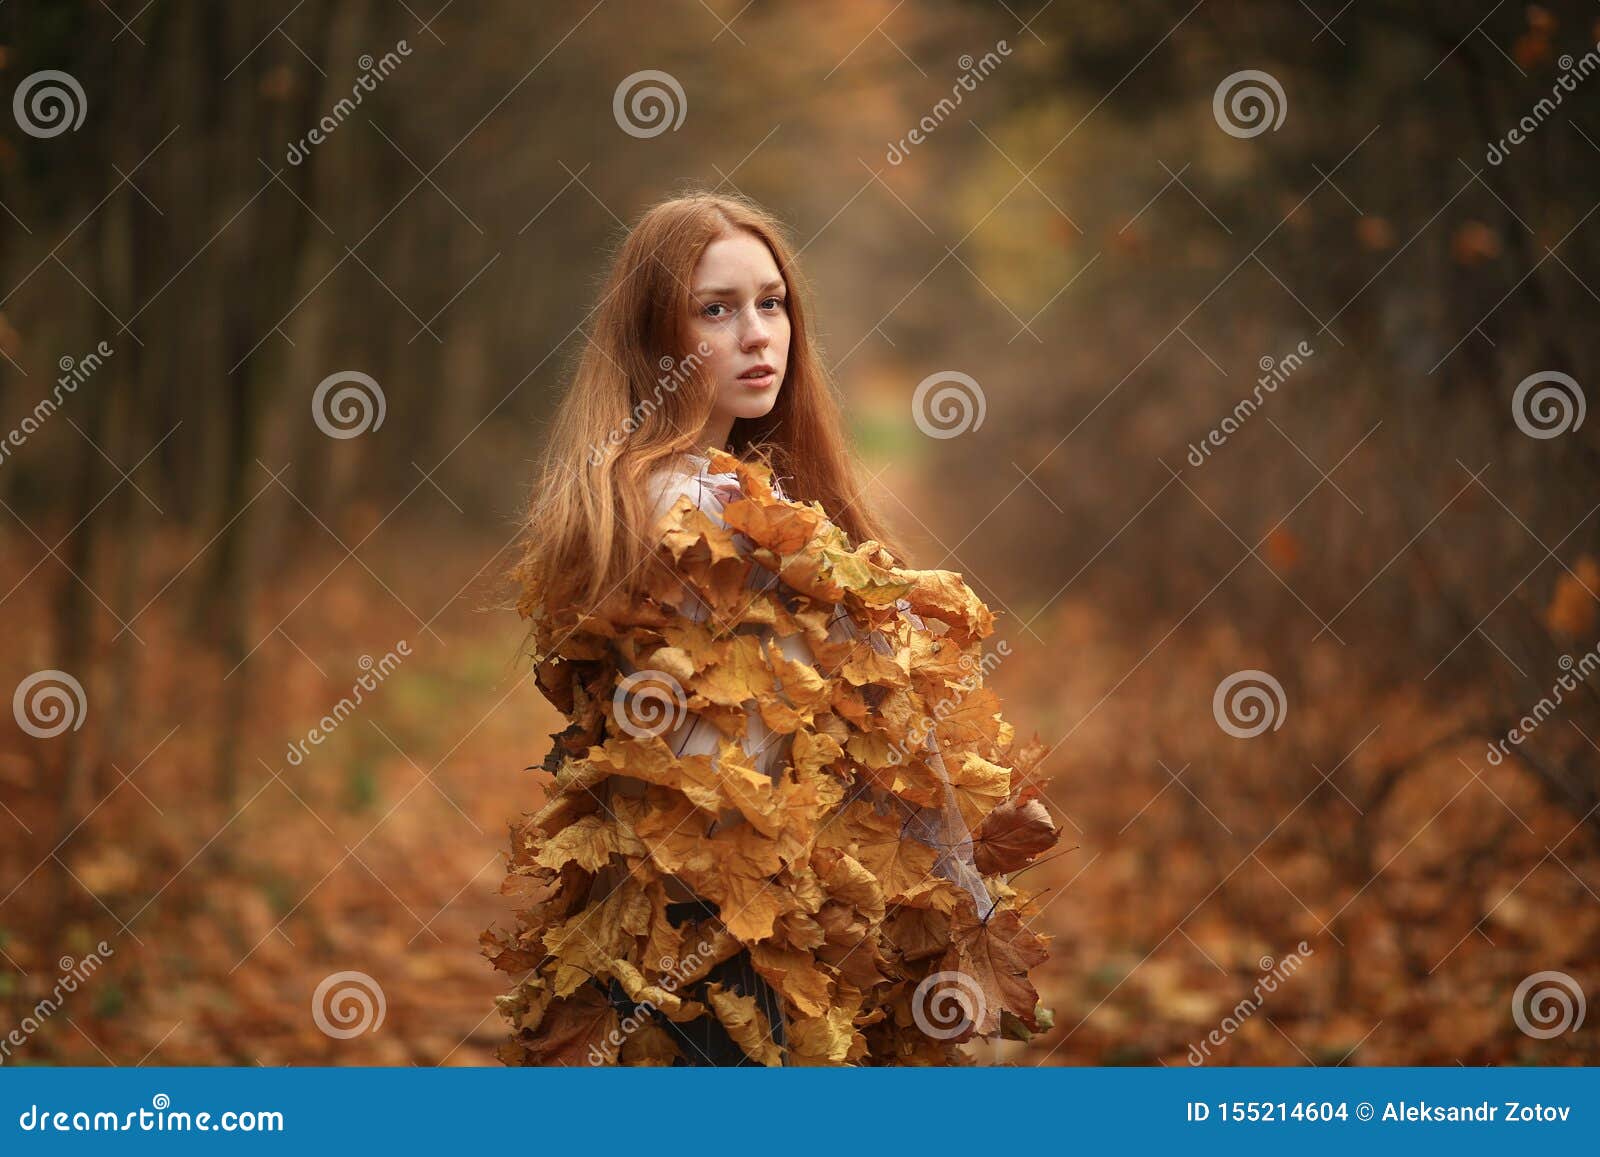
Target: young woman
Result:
[784, 804]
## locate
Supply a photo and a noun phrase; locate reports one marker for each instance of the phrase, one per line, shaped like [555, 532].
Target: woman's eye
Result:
[773, 302]
[714, 305]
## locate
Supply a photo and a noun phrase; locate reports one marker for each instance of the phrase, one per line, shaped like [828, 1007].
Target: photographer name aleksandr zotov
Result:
[1515, 1111]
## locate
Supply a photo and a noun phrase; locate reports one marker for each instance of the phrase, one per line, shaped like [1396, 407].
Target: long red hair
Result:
[638, 399]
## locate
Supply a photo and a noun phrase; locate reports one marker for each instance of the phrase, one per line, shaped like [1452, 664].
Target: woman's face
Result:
[741, 312]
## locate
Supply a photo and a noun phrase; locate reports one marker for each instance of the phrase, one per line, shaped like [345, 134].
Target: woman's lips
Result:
[760, 382]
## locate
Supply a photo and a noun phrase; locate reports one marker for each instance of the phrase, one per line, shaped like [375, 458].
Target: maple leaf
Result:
[796, 976]
[996, 955]
[823, 872]
[574, 1029]
[828, 1039]
[746, 1024]
[899, 864]
[1013, 834]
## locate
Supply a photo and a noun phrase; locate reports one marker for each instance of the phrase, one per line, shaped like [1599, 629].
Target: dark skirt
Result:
[703, 1041]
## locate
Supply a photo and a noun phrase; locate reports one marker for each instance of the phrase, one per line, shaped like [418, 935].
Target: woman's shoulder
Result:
[691, 476]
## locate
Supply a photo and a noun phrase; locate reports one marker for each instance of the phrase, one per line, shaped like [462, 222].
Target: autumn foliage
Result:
[840, 911]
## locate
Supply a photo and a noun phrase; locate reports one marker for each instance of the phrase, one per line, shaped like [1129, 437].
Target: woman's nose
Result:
[754, 334]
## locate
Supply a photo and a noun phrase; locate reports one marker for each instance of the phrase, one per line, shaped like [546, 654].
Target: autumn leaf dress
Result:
[783, 811]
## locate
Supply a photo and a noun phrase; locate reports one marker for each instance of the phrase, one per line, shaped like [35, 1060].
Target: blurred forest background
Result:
[1081, 234]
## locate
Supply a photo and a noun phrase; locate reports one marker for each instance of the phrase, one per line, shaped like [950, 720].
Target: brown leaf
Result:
[996, 954]
[1013, 834]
